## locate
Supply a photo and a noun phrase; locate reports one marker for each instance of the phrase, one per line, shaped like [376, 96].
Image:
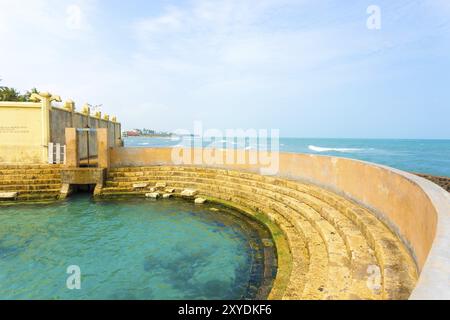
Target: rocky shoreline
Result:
[443, 182]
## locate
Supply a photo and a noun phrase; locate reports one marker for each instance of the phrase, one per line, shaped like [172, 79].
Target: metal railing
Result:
[56, 153]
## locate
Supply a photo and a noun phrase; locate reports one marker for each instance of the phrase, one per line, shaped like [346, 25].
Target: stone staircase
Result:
[31, 182]
[339, 250]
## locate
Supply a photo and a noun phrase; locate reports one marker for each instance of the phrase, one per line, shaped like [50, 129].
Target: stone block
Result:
[153, 195]
[160, 185]
[167, 195]
[189, 193]
[200, 201]
[169, 190]
[8, 195]
[139, 185]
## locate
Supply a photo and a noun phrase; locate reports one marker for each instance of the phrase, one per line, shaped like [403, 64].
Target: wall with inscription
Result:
[20, 132]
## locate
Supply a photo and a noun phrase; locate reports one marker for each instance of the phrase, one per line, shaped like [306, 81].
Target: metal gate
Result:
[87, 147]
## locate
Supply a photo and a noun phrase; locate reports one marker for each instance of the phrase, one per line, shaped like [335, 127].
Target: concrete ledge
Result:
[14, 104]
[434, 281]
[83, 176]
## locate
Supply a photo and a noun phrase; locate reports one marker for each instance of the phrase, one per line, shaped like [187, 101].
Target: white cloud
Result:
[74, 17]
[42, 51]
[189, 48]
[224, 42]
[210, 59]
[170, 21]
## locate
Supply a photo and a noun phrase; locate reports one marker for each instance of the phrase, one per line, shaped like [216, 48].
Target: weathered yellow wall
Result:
[26, 129]
[20, 132]
[400, 201]
[62, 118]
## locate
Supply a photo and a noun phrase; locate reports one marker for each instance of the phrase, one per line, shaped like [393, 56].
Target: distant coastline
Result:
[151, 136]
[147, 133]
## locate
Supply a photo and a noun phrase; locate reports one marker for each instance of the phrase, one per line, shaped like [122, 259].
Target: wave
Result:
[323, 149]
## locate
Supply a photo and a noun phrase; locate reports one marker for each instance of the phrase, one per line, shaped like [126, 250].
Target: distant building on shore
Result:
[131, 133]
[145, 133]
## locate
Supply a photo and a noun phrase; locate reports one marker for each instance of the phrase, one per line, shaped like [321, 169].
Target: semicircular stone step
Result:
[336, 251]
[333, 280]
[346, 231]
[400, 275]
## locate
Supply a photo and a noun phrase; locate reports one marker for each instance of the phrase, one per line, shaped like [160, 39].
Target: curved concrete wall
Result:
[416, 209]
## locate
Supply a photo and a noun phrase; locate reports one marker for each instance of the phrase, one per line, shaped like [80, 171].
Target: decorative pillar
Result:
[98, 115]
[69, 105]
[72, 159]
[103, 148]
[106, 119]
[87, 111]
[114, 125]
[46, 105]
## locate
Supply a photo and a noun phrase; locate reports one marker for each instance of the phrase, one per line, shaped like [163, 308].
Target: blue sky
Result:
[310, 68]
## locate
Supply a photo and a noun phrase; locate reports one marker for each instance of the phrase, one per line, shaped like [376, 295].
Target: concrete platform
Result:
[81, 176]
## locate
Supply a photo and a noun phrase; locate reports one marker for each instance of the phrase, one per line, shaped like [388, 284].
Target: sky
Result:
[310, 68]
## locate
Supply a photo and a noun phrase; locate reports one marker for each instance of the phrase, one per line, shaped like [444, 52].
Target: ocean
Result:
[420, 156]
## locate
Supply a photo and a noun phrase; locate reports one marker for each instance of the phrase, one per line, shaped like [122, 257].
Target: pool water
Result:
[133, 249]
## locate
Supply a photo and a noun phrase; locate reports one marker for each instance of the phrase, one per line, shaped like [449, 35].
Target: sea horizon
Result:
[290, 137]
[425, 156]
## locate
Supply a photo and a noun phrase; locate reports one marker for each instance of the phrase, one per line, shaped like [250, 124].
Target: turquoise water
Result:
[422, 156]
[128, 249]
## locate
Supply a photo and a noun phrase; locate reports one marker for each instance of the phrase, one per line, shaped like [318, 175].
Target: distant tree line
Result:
[11, 94]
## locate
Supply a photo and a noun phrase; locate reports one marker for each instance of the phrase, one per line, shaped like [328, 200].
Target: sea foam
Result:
[323, 149]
